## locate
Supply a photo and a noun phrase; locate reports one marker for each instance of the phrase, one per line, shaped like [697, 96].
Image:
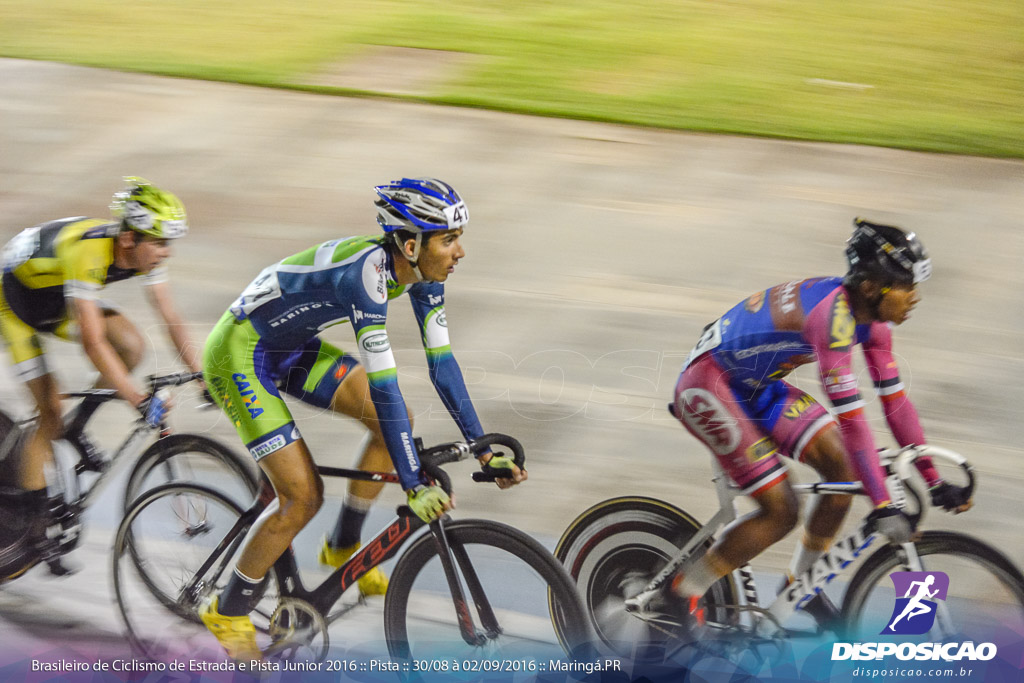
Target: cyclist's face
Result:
[897, 303]
[440, 254]
[150, 253]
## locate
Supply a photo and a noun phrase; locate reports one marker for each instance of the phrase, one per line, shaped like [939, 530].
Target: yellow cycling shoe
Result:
[236, 635]
[373, 582]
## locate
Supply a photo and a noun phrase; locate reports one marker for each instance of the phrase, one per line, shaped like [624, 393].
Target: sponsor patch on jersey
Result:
[375, 342]
[799, 407]
[840, 381]
[755, 302]
[761, 449]
[708, 418]
[375, 278]
[267, 447]
[842, 326]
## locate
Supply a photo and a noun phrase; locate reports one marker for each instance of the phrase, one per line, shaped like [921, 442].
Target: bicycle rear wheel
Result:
[984, 603]
[166, 537]
[523, 586]
[612, 551]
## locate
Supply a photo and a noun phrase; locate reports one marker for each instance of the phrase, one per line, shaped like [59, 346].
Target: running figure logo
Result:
[914, 613]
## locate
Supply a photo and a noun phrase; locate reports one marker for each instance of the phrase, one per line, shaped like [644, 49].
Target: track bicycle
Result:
[466, 587]
[623, 552]
[81, 472]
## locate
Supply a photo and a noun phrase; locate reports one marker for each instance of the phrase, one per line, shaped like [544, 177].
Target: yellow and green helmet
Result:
[147, 209]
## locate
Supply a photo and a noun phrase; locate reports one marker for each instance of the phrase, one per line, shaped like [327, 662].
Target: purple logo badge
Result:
[916, 593]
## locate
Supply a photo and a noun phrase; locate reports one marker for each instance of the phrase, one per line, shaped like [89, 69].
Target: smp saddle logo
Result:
[916, 596]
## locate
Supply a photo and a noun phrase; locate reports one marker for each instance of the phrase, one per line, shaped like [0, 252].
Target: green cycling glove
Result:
[428, 502]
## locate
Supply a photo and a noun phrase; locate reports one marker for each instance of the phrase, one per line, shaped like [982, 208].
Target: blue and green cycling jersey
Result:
[289, 303]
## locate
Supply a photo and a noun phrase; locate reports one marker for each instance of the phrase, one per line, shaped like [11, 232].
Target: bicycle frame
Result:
[381, 548]
[69, 479]
[830, 565]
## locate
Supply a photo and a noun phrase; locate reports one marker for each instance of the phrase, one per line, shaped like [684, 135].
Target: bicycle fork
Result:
[450, 555]
[943, 621]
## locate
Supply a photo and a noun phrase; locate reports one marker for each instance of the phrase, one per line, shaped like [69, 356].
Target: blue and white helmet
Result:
[419, 205]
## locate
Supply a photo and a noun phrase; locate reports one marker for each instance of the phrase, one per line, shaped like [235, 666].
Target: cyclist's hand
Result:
[155, 408]
[891, 522]
[950, 497]
[504, 468]
[429, 502]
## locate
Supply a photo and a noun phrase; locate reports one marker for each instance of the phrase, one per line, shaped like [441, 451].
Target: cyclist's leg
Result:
[240, 372]
[38, 449]
[327, 377]
[26, 351]
[809, 434]
[712, 411]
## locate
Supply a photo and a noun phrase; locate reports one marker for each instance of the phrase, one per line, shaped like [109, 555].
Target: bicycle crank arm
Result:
[638, 604]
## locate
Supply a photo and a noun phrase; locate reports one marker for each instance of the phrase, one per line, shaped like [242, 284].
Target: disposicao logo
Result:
[914, 613]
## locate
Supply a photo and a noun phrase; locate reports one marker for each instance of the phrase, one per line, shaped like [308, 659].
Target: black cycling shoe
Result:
[821, 609]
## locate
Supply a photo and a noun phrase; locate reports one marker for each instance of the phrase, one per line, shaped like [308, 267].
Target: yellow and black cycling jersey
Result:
[70, 257]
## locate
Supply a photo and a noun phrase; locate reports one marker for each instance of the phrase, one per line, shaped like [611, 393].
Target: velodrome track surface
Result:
[595, 255]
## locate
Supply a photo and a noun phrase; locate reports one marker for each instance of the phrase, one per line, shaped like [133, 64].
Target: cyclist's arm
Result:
[831, 330]
[369, 313]
[899, 411]
[159, 294]
[428, 305]
[89, 317]
[85, 263]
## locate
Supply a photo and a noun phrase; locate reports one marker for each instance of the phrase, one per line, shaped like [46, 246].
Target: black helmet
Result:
[887, 254]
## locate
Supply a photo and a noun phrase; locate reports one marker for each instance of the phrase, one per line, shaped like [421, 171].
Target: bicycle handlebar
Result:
[901, 460]
[432, 458]
[173, 380]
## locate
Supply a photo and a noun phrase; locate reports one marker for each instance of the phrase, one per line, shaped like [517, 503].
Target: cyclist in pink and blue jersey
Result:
[732, 395]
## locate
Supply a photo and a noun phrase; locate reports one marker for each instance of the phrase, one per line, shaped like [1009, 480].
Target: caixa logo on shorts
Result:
[914, 613]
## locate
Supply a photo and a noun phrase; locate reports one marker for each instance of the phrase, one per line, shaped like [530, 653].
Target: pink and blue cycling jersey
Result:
[757, 343]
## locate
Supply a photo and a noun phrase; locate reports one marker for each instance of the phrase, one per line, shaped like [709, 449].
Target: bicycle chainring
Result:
[296, 626]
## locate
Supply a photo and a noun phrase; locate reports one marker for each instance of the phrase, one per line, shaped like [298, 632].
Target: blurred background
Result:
[600, 243]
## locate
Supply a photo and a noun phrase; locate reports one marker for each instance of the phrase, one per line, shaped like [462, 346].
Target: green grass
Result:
[945, 75]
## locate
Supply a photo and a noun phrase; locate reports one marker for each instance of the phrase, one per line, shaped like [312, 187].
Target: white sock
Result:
[697, 578]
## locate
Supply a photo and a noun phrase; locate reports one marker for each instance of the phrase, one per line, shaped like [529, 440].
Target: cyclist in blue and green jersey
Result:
[267, 342]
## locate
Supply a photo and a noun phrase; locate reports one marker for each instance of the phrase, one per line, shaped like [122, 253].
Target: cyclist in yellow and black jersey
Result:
[53, 275]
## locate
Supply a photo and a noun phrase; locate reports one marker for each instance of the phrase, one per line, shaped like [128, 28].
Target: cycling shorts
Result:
[747, 431]
[246, 379]
[25, 344]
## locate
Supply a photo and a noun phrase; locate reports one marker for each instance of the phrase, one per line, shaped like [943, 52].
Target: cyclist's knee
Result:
[297, 510]
[779, 507]
[126, 340]
[51, 423]
[827, 456]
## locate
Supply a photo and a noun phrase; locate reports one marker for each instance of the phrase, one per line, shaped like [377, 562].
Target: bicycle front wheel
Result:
[510, 579]
[984, 601]
[197, 459]
[175, 547]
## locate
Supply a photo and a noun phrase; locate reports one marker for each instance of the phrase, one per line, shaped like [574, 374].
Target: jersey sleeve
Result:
[154, 277]
[428, 305]
[85, 265]
[369, 313]
[831, 330]
[899, 411]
